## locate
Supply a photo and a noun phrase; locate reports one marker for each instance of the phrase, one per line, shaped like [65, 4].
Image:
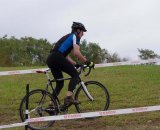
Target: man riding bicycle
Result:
[59, 61]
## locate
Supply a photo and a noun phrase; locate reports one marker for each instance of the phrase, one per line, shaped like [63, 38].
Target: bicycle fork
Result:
[86, 91]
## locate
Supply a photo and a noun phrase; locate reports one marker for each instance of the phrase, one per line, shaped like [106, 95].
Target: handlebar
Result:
[83, 67]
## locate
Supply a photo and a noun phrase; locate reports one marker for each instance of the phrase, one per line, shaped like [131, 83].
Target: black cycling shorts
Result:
[58, 64]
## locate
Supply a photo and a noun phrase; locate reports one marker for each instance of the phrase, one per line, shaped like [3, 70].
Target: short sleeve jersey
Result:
[65, 44]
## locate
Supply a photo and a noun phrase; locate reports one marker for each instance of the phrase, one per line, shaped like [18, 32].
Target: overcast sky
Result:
[119, 26]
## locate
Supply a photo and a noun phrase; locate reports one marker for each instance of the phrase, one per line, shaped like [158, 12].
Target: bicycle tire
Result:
[99, 93]
[39, 100]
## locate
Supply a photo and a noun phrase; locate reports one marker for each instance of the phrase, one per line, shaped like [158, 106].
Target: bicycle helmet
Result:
[77, 25]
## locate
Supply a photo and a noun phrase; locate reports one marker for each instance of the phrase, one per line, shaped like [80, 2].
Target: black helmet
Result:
[77, 25]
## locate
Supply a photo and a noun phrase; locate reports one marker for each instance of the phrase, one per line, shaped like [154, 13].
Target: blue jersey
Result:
[65, 44]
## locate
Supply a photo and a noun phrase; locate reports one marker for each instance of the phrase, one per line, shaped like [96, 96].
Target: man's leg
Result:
[68, 68]
[58, 75]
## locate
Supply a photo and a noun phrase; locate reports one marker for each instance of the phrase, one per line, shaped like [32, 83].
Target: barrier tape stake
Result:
[27, 101]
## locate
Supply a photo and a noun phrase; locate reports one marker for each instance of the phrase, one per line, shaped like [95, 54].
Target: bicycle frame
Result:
[50, 81]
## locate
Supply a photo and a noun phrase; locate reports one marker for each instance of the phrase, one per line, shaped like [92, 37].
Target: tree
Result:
[113, 58]
[147, 54]
[23, 52]
[93, 52]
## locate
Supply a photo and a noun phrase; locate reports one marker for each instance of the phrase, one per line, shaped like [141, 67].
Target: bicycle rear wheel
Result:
[39, 101]
[99, 94]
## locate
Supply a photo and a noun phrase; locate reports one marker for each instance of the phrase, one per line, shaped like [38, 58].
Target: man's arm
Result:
[77, 53]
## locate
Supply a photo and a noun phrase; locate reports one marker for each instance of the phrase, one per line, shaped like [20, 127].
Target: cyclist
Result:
[59, 61]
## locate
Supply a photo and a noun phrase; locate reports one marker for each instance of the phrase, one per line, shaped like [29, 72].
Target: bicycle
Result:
[93, 96]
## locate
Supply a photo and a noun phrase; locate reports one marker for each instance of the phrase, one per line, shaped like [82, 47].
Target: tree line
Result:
[28, 51]
[25, 51]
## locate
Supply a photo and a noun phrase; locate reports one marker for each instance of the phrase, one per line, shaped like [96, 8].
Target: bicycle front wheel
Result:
[39, 106]
[97, 101]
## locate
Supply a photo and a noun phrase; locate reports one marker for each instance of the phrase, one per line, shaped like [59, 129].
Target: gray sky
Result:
[119, 26]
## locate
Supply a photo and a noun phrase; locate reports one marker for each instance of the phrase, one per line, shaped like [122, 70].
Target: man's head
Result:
[78, 28]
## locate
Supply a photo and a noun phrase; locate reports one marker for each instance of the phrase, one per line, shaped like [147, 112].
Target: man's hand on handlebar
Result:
[81, 67]
[90, 64]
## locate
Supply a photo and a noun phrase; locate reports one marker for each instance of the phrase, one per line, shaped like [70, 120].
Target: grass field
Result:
[129, 86]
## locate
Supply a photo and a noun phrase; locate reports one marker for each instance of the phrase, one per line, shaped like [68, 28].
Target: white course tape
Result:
[96, 65]
[85, 115]
[128, 63]
[13, 125]
[96, 114]
[20, 72]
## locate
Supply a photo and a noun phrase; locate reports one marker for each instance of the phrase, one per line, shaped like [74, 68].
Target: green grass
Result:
[129, 86]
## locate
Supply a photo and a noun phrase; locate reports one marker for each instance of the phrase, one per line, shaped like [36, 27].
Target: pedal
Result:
[64, 108]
